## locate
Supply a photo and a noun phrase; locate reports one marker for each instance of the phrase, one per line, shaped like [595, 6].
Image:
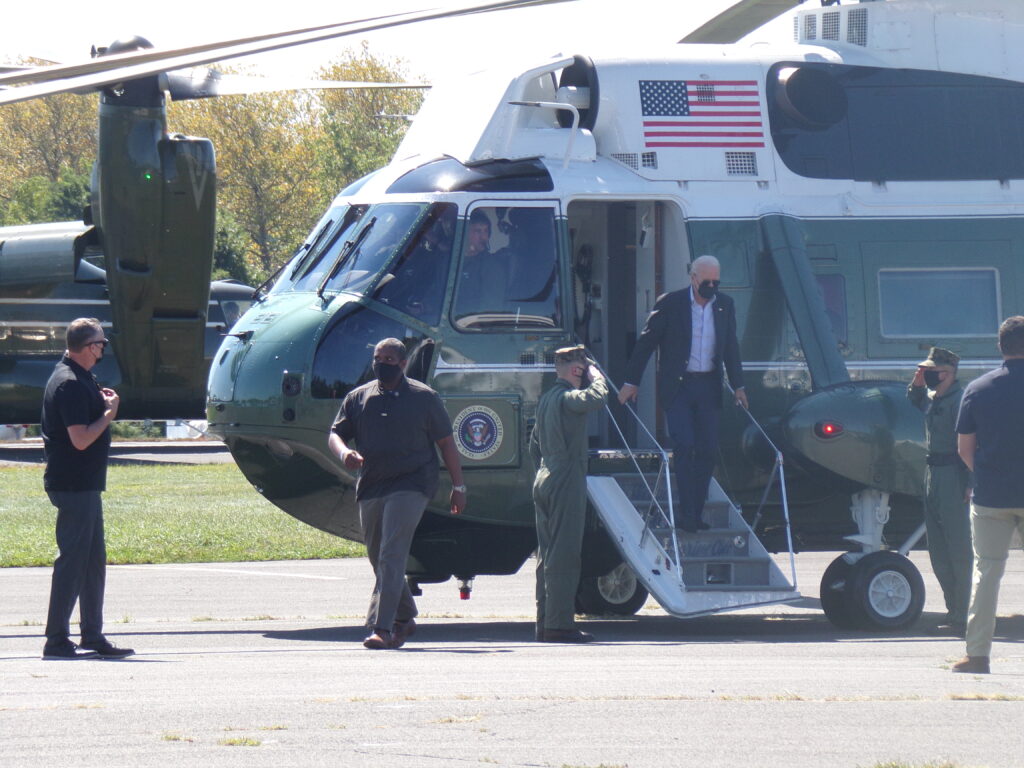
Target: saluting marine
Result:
[936, 391]
[559, 446]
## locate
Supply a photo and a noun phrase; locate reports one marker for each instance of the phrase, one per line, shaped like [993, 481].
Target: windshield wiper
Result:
[259, 289]
[348, 248]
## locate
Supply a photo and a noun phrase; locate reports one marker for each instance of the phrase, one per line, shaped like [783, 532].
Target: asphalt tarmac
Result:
[261, 664]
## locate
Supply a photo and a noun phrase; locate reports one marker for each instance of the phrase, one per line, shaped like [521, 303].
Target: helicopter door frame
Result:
[632, 241]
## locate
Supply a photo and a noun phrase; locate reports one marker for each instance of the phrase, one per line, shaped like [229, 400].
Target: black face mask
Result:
[386, 373]
[931, 379]
[707, 289]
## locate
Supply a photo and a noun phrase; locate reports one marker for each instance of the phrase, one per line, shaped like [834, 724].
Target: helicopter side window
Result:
[909, 298]
[383, 231]
[416, 281]
[343, 359]
[508, 276]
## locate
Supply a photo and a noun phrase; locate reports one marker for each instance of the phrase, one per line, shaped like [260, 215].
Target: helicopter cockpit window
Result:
[310, 264]
[343, 359]
[508, 276]
[233, 309]
[382, 232]
[415, 282]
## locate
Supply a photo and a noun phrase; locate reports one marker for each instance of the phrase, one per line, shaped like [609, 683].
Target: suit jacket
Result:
[669, 330]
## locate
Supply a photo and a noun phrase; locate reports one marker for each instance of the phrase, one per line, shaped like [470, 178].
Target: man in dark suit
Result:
[694, 331]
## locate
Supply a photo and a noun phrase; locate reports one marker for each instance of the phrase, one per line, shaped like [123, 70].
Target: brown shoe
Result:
[566, 636]
[401, 632]
[380, 640]
[972, 665]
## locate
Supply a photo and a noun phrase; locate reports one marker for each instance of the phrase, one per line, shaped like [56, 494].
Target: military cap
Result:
[577, 354]
[939, 356]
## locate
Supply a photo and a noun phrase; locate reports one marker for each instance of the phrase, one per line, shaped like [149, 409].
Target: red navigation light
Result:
[828, 429]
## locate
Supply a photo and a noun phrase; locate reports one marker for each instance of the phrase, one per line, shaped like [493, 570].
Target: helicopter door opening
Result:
[625, 254]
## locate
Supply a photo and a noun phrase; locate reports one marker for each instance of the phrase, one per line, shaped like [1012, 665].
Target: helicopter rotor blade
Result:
[107, 62]
[157, 66]
[739, 20]
[208, 83]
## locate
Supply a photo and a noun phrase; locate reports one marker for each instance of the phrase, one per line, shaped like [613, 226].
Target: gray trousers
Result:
[993, 529]
[79, 572]
[560, 502]
[389, 523]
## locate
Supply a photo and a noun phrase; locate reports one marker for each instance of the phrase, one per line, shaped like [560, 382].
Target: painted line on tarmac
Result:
[240, 571]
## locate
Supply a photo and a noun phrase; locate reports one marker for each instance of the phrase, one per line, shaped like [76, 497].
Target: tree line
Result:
[281, 156]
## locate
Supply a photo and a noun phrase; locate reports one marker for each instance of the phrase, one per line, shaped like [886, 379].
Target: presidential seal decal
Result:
[479, 432]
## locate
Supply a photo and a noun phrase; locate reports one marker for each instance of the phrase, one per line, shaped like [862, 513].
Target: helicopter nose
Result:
[867, 432]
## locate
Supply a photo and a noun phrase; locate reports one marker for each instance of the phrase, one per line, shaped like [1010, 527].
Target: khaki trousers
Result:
[992, 530]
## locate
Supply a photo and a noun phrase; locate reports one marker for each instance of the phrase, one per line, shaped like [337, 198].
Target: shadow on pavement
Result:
[779, 628]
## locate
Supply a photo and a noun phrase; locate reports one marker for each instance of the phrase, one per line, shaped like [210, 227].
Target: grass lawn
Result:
[164, 514]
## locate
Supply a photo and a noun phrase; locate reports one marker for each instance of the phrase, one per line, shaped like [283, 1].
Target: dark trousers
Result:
[692, 419]
[389, 523]
[80, 570]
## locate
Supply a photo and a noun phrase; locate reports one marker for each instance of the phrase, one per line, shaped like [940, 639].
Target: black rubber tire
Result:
[836, 595]
[887, 590]
[617, 593]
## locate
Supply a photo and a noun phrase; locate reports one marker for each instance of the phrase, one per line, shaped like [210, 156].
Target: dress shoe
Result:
[380, 640]
[972, 665]
[107, 650]
[64, 651]
[566, 636]
[402, 631]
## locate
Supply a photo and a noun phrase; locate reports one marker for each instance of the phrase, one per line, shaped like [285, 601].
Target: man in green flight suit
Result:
[936, 391]
[559, 446]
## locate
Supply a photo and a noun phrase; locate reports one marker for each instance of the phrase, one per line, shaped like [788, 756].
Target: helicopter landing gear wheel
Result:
[835, 594]
[618, 592]
[887, 590]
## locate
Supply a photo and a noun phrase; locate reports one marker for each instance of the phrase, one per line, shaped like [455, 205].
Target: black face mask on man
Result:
[932, 379]
[386, 373]
[708, 288]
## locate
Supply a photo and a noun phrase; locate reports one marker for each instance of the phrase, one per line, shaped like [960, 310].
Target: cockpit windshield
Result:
[368, 248]
[316, 256]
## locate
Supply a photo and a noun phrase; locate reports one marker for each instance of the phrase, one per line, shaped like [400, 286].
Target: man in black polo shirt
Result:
[76, 438]
[395, 423]
[991, 443]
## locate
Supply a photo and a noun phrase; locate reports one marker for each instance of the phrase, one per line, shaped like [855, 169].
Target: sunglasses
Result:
[104, 342]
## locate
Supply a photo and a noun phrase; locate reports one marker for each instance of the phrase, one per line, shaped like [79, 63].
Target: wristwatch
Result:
[459, 488]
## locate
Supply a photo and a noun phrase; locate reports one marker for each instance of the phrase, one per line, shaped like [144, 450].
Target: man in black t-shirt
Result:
[395, 423]
[991, 444]
[76, 438]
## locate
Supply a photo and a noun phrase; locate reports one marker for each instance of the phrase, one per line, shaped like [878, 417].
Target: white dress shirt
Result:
[702, 340]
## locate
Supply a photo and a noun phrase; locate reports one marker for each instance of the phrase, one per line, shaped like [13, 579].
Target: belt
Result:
[696, 374]
[942, 459]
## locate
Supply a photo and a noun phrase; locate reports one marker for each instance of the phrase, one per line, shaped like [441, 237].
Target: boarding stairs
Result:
[690, 574]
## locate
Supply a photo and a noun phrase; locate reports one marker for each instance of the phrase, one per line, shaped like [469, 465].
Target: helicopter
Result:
[860, 185]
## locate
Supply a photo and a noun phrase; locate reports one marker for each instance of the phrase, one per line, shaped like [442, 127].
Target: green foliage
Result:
[164, 514]
[362, 128]
[229, 249]
[136, 430]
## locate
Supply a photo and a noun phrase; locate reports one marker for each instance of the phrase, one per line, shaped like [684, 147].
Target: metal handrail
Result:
[780, 470]
[670, 518]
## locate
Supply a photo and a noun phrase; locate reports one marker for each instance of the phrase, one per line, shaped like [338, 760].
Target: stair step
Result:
[725, 542]
[726, 573]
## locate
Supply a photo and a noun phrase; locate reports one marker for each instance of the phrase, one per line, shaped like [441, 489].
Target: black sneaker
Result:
[64, 651]
[108, 650]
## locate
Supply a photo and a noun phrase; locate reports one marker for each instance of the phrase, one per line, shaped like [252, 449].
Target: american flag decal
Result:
[702, 113]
